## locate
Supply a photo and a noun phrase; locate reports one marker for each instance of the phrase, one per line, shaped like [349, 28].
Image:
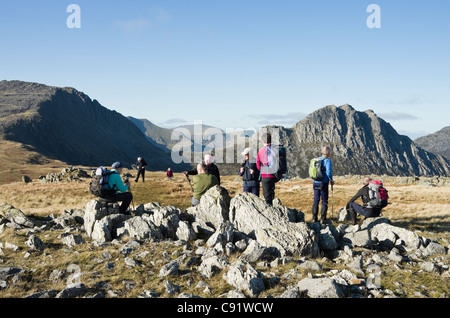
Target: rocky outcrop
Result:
[241, 242]
[361, 142]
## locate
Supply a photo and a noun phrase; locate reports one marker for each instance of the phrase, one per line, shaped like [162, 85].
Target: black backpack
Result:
[99, 183]
[282, 162]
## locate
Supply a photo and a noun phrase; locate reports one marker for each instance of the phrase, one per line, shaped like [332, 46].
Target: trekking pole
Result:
[332, 201]
[129, 190]
[189, 180]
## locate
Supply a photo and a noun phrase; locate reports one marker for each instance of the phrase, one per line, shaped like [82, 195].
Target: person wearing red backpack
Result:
[365, 210]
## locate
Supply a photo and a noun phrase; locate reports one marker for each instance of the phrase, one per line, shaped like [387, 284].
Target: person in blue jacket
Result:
[121, 189]
[249, 173]
[321, 187]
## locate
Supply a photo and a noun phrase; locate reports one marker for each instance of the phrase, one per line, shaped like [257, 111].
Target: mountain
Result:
[437, 143]
[361, 143]
[65, 124]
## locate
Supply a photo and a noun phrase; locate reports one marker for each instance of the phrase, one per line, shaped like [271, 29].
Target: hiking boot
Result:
[353, 217]
[315, 211]
[323, 214]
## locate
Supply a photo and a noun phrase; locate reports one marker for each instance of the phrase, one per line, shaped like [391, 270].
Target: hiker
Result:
[203, 181]
[169, 173]
[121, 190]
[249, 173]
[211, 168]
[354, 208]
[140, 165]
[321, 187]
[268, 179]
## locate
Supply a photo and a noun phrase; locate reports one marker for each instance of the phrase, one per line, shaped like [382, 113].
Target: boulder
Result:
[244, 277]
[320, 288]
[383, 232]
[213, 209]
[16, 216]
[272, 226]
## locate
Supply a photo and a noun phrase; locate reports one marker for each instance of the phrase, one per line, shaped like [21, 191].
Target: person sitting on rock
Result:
[354, 208]
[121, 189]
[211, 168]
[203, 181]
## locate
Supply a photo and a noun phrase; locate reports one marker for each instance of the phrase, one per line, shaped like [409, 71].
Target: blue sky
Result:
[238, 64]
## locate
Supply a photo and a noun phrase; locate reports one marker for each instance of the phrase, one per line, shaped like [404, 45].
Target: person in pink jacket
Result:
[263, 163]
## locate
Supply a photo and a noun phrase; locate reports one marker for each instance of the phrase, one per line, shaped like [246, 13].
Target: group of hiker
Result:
[265, 172]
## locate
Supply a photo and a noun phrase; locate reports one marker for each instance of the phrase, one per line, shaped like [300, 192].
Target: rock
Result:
[320, 288]
[223, 235]
[35, 243]
[310, 266]
[254, 252]
[185, 232]
[213, 208]
[369, 223]
[73, 291]
[383, 233]
[72, 239]
[434, 248]
[359, 239]
[428, 266]
[6, 272]
[171, 288]
[16, 216]
[244, 277]
[138, 228]
[26, 179]
[211, 265]
[170, 268]
[272, 226]
[343, 215]
[395, 255]
[327, 241]
[167, 218]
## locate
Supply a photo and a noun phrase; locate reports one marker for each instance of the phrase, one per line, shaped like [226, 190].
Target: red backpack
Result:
[378, 195]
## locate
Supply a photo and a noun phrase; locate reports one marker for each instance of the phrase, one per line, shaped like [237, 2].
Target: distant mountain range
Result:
[65, 124]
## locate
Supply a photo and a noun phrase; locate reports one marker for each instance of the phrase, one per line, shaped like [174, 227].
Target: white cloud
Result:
[152, 18]
[397, 116]
[286, 120]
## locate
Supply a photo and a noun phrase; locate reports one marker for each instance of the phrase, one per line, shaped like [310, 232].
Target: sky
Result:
[238, 64]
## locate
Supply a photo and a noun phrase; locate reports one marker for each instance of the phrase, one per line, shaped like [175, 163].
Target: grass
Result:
[420, 208]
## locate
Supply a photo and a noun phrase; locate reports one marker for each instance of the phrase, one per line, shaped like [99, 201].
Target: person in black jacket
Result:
[250, 174]
[140, 165]
[354, 208]
[211, 168]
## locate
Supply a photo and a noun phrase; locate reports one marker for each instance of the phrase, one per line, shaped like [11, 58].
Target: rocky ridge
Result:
[361, 143]
[240, 240]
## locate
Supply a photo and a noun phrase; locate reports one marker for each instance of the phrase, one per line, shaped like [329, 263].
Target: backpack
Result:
[315, 169]
[276, 162]
[378, 195]
[99, 183]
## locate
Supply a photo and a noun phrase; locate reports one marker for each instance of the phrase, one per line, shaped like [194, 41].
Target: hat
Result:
[247, 151]
[208, 159]
[116, 165]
